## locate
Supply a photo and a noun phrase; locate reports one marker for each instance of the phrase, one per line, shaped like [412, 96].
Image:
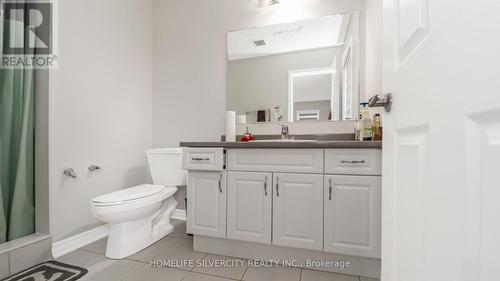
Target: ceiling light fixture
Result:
[266, 3]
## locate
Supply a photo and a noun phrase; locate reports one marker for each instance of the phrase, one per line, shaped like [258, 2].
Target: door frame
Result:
[292, 74]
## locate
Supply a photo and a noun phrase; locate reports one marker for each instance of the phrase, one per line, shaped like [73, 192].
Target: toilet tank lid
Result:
[129, 194]
[173, 150]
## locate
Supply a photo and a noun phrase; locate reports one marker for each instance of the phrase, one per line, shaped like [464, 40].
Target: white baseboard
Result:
[68, 245]
[179, 214]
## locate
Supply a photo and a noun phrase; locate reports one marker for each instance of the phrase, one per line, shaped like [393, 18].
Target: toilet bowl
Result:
[140, 215]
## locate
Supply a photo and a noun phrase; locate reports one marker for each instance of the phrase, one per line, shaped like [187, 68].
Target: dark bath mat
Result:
[49, 271]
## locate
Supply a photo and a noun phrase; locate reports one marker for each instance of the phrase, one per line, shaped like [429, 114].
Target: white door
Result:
[298, 211]
[440, 193]
[206, 194]
[249, 206]
[352, 215]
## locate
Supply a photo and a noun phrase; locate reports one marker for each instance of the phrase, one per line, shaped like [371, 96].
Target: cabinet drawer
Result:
[203, 159]
[276, 160]
[353, 161]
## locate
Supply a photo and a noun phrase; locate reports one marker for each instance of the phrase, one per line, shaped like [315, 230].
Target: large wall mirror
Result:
[296, 72]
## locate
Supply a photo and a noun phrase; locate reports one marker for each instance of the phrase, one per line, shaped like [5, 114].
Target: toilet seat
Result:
[129, 195]
[133, 198]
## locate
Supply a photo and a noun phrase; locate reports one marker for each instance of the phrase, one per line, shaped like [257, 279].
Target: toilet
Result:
[140, 215]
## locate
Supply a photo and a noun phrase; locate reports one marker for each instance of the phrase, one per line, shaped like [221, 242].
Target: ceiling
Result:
[287, 37]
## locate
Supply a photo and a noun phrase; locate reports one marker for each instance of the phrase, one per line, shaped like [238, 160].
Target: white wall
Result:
[373, 79]
[100, 105]
[189, 84]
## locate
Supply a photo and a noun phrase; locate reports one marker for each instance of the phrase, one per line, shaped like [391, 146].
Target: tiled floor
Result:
[179, 246]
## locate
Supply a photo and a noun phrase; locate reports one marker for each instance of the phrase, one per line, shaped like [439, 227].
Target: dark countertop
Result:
[287, 144]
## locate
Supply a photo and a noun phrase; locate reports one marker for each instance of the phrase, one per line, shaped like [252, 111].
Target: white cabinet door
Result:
[298, 211]
[249, 206]
[352, 215]
[206, 193]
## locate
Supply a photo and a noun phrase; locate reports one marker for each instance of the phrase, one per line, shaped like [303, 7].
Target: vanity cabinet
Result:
[249, 206]
[206, 214]
[352, 215]
[298, 211]
[326, 200]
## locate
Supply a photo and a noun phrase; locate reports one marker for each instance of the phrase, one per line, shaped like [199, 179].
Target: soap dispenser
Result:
[357, 130]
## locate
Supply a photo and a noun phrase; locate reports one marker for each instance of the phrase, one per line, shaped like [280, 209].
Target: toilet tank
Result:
[165, 166]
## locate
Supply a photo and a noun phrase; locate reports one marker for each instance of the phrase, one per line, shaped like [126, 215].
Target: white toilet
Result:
[140, 215]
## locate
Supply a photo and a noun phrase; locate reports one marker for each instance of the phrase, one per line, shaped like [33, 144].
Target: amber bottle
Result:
[377, 127]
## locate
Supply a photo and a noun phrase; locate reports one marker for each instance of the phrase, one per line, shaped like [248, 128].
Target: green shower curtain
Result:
[17, 113]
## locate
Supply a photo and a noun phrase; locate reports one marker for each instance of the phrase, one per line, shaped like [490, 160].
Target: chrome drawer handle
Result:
[265, 186]
[220, 183]
[353, 161]
[200, 159]
[330, 187]
[277, 187]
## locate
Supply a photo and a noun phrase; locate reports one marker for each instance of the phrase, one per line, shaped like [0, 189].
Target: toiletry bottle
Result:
[360, 124]
[366, 123]
[275, 114]
[377, 127]
[357, 131]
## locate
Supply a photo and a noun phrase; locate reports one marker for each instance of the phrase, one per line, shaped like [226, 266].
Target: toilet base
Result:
[128, 238]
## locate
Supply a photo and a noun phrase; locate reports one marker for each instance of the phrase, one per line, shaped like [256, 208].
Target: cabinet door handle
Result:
[330, 188]
[220, 183]
[199, 159]
[352, 161]
[265, 186]
[277, 187]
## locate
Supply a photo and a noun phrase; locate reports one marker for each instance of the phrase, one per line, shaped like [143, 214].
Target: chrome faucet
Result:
[285, 134]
